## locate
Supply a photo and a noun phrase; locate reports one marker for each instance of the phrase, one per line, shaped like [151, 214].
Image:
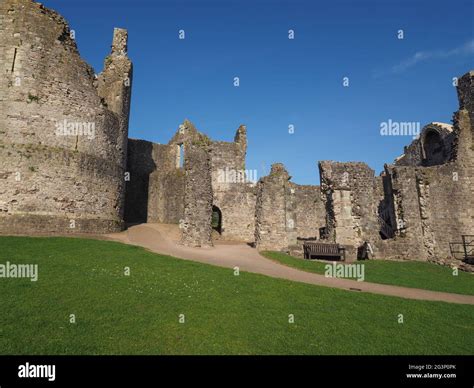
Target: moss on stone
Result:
[201, 141]
[108, 60]
[32, 98]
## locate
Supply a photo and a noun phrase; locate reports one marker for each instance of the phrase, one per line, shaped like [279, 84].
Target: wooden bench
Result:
[323, 249]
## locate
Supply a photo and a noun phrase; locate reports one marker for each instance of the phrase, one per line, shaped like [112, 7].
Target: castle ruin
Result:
[68, 166]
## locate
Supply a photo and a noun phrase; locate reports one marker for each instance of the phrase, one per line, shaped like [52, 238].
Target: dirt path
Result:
[161, 238]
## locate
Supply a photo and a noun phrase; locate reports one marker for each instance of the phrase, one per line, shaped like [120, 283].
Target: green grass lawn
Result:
[224, 314]
[413, 274]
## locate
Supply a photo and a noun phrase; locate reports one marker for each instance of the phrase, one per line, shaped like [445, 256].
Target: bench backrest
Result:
[321, 248]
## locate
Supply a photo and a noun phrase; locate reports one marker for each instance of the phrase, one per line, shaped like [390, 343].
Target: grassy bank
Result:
[413, 274]
[223, 314]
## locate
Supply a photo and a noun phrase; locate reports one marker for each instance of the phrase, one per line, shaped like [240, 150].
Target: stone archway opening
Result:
[216, 221]
[432, 149]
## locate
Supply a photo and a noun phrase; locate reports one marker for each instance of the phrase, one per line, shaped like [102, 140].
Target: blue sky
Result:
[285, 82]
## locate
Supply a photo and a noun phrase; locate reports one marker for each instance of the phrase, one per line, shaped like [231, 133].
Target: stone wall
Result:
[64, 152]
[166, 186]
[237, 205]
[402, 194]
[234, 194]
[275, 213]
[196, 227]
[310, 211]
[431, 210]
[436, 145]
[140, 165]
[62, 149]
[464, 120]
[351, 199]
[434, 205]
[156, 192]
[412, 155]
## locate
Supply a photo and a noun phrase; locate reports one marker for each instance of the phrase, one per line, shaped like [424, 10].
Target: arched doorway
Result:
[216, 221]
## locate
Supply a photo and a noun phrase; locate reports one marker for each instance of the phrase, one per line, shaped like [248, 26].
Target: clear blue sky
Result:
[284, 81]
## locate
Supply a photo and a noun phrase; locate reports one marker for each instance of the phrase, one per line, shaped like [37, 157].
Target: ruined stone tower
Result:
[63, 132]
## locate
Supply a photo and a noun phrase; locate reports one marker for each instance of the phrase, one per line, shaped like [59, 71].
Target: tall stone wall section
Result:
[445, 208]
[196, 227]
[158, 181]
[310, 211]
[350, 195]
[114, 87]
[275, 213]
[166, 187]
[464, 127]
[141, 163]
[166, 192]
[434, 205]
[402, 193]
[432, 209]
[234, 194]
[237, 206]
[53, 177]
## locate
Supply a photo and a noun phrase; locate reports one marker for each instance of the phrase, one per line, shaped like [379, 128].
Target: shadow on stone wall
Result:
[140, 165]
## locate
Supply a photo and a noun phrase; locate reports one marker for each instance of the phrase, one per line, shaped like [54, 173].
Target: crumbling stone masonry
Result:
[165, 201]
[196, 225]
[67, 165]
[421, 203]
[433, 196]
[234, 193]
[310, 212]
[63, 131]
[275, 214]
[349, 194]
[156, 190]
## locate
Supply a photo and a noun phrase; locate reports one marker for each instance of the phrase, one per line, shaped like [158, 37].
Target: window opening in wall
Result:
[180, 156]
[216, 222]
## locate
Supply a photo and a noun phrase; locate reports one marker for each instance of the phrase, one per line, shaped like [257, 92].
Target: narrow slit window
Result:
[14, 59]
[181, 156]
